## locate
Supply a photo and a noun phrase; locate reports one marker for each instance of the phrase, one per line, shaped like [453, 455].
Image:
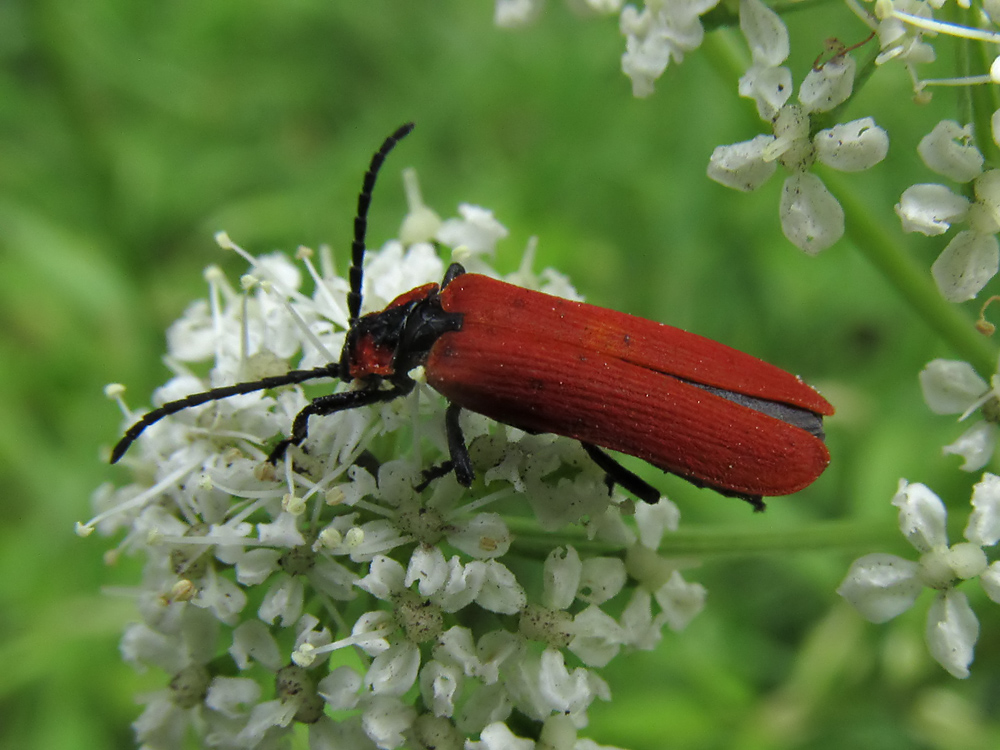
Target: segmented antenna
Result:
[361, 220]
[331, 370]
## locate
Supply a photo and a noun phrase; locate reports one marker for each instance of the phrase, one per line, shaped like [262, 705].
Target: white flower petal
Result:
[283, 600]
[254, 566]
[463, 585]
[340, 688]
[484, 536]
[986, 220]
[597, 637]
[952, 631]
[930, 209]
[386, 720]
[232, 696]
[477, 231]
[428, 568]
[951, 386]
[640, 630]
[263, 716]
[333, 579]
[141, 645]
[680, 601]
[922, 516]
[456, 645]
[283, 532]
[881, 586]
[394, 671]
[852, 146]
[564, 690]
[191, 338]
[497, 736]
[653, 520]
[765, 32]
[811, 217]
[990, 581]
[252, 639]
[561, 577]
[643, 61]
[824, 89]
[984, 522]
[770, 88]
[223, 597]
[385, 578]
[742, 166]
[512, 14]
[975, 445]
[603, 578]
[950, 151]
[658, 35]
[966, 265]
[603, 6]
[440, 685]
[501, 592]
[492, 651]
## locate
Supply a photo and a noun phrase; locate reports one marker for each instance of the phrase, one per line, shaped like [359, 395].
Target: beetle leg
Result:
[618, 474]
[332, 403]
[434, 472]
[460, 460]
[454, 271]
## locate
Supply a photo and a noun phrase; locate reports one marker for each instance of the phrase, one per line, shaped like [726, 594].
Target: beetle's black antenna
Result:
[361, 220]
[195, 399]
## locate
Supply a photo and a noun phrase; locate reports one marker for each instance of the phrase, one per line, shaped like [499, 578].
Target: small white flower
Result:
[881, 586]
[930, 209]
[663, 31]
[954, 387]
[477, 232]
[899, 40]
[972, 257]
[253, 640]
[497, 736]
[811, 217]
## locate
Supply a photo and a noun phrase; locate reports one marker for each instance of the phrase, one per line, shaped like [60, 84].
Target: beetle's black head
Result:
[390, 343]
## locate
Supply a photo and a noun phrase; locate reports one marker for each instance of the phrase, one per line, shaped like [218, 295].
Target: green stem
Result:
[913, 282]
[714, 542]
[977, 58]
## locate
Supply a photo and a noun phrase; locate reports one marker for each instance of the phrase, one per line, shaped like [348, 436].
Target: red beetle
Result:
[693, 407]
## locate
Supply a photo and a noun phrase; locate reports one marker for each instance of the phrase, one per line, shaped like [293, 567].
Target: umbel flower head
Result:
[954, 387]
[811, 217]
[972, 257]
[882, 586]
[328, 593]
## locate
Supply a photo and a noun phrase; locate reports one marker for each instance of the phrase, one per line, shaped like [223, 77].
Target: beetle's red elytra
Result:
[688, 405]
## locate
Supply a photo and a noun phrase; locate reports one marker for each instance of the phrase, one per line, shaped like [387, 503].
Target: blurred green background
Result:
[130, 132]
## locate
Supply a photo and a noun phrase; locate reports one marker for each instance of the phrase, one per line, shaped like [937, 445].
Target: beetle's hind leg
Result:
[459, 462]
[615, 473]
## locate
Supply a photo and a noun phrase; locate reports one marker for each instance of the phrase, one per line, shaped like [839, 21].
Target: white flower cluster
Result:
[332, 596]
[802, 133]
[811, 217]
[661, 33]
[954, 387]
[972, 257]
[882, 586]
